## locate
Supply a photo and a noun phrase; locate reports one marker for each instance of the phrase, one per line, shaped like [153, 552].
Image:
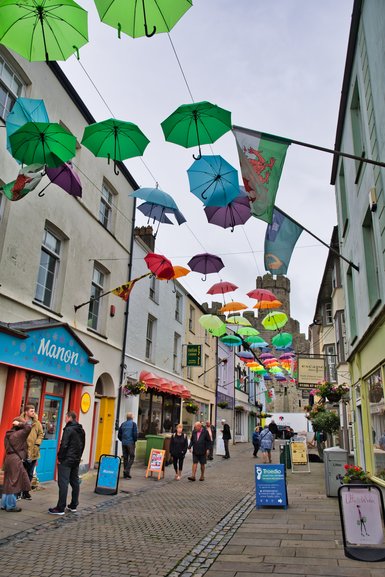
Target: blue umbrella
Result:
[159, 213]
[213, 180]
[24, 110]
[155, 196]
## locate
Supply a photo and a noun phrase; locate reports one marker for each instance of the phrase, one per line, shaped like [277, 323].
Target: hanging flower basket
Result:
[376, 393]
[191, 407]
[223, 404]
[331, 392]
[239, 408]
[134, 389]
[354, 474]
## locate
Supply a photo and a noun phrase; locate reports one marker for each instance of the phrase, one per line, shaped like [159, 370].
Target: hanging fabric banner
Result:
[281, 236]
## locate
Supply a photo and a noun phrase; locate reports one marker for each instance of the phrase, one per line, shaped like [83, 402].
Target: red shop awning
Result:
[163, 385]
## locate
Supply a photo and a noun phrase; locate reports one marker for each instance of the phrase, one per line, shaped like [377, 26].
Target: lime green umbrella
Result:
[247, 331]
[274, 321]
[115, 139]
[213, 325]
[196, 124]
[43, 143]
[136, 18]
[43, 29]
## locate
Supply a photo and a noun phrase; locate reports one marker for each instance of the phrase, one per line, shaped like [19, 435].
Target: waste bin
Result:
[153, 442]
[334, 460]
[166, 447]
[284, 456]
[140, 450]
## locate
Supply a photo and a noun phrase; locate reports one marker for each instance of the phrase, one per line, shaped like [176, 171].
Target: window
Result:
[331, 368]
[150, 334]
[351, 305]
[178, 307]
[205, 369]
[207, 338]
[105, 207]
[371, 264]
[2, 203]
[153, 293]
[343, 201]
[375, 393]
[48, 269]
[340, 336]
[175, 359]
[191, 319]
[97, 285]
[328, 312]
[189, 372]
[11, 87]
[357, 129]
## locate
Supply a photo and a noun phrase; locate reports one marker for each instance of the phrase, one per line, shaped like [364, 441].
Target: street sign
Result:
[310, 371]
[194, 356]
[270, 486]
[107, 481]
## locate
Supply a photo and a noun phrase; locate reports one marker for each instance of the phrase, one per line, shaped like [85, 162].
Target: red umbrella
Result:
[206, 263]
[262, 295]
[221, 288]
[159, 265]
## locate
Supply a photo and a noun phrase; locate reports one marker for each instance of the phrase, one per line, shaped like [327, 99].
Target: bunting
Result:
[281, 236]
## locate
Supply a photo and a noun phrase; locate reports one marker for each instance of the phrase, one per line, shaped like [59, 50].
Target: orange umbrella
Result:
[178, 272]
[268, 305]
[232, 307]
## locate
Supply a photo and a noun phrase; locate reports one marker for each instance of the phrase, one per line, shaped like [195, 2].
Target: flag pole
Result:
[333, 250]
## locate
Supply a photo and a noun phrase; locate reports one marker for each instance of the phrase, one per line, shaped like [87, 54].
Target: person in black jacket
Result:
[178, 450]
[226, 436]
[69, 457]
[199, 443]
[273, 428]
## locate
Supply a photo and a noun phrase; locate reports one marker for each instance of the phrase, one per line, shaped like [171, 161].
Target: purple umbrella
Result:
[205, 263]
[65, 177]
[235, 213]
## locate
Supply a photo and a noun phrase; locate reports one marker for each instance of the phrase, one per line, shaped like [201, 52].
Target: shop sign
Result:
[270, 486]
[54, 351]
[156, 463]
[107, 481]
[85, 402]
[298, 453]
[310, 371]
[194, 356]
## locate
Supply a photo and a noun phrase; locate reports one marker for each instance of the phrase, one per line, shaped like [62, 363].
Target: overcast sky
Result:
[277, 65]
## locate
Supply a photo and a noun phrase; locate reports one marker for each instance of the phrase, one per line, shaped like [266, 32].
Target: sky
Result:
[278, 67]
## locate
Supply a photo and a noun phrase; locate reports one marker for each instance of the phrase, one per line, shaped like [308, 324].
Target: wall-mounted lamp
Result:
[373, 199]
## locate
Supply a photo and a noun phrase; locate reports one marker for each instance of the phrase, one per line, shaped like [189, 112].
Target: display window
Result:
[376, 407]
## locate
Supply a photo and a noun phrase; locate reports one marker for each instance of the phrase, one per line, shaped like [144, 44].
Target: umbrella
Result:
[245, 355]
[28, 179]
[232, 307]
[286, 356]
[261, 345]
[231, 340]
[137, 18]
[221, 288]
[43, 29]
[238, 320]
[262, 295]
[254, 339]
[24, 110]
[159, 213]
[43, 143]
[65, 177]
[205, 263]
[115, 139]
[282, 340]
[213, 180]
[274, 321]
[196, 124]
[213, 324]
[159, 265]
[158, 204]
[233, 214]
[155, 196]
[266, 356]
[263, 305]
[179, 271]
[247, 331]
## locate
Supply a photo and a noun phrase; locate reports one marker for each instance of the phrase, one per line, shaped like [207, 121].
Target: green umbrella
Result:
[196, 124]
[115, 139]
[43, 143]
[134, 18]
[213, 324]
[274, 321]
[43, 29]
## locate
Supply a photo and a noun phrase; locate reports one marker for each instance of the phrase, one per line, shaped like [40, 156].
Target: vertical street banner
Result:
[261, 157]
[280, 239]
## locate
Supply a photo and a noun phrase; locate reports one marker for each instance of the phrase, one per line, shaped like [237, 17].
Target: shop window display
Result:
[376, 399]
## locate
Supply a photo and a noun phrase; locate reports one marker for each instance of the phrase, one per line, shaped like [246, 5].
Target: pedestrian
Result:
[226, 436]
[266, 442]
[69, 456]
[199, 443]
[273, 428]
[34, 441]
[178, 450]
[15, 476]
[128, 435]
[212, 431]
[256, 435]
[381, 442]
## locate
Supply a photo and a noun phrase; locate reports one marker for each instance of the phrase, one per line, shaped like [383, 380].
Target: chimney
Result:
[145, 233]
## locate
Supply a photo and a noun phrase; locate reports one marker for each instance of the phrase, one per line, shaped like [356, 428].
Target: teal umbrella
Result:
[24, 110]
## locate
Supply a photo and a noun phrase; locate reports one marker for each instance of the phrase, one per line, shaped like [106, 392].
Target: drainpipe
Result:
[123, 361]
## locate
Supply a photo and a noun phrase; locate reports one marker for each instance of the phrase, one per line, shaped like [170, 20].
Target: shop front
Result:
[47, 366]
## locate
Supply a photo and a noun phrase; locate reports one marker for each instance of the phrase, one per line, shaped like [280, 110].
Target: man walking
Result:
[128, 435]
[199, 444]
[34, 441]
[212, 434]
[69, 457]
[273, 428]
[226, 436]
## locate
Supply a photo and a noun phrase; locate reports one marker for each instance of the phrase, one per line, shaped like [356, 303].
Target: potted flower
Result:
[354, 474]
[331, 391]
[134, 388]
[223, 404]
[191, 407]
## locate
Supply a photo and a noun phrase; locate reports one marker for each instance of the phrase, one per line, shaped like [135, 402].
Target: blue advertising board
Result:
[107, 481]
[270, 486]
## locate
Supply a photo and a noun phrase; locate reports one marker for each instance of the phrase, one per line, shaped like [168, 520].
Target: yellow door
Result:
[105, 427]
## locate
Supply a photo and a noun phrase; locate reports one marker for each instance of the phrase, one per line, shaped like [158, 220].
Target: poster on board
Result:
[107, 480]
[156, 462]
[270, 486]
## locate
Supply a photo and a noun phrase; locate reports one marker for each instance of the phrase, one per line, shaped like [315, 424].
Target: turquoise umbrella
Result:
[24, 110]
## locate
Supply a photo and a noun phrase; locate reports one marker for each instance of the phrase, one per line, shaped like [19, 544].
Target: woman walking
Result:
[256, 443]
[15, 476]
[266, 440]
[178, 449]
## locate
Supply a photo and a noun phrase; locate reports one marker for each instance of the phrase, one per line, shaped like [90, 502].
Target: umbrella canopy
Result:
[221, 288]
[232, 307]
[266, 356]
[246, 355]
[238, 320]
[159, 265]
[213, 324]
[24, 110]
[247, 331]
[264, 305]
[213, 180]
[233, 214]
[142, 18]
[282, 340]
[43, 143]
[196, 124]
[155, 212]
[231, 340]
[254, 339]
[65, 177]
[262, 295]
[43, 29]
[205, 263]
[274, 321]
[115, 139]
[179, 271]
[155, 196]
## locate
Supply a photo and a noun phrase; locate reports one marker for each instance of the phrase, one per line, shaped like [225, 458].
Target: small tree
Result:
[326, 422]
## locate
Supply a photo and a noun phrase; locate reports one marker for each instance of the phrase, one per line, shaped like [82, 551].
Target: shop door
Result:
[51, 420]
[105, 427]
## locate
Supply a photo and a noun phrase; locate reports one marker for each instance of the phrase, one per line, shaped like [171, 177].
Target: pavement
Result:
[174, 528]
